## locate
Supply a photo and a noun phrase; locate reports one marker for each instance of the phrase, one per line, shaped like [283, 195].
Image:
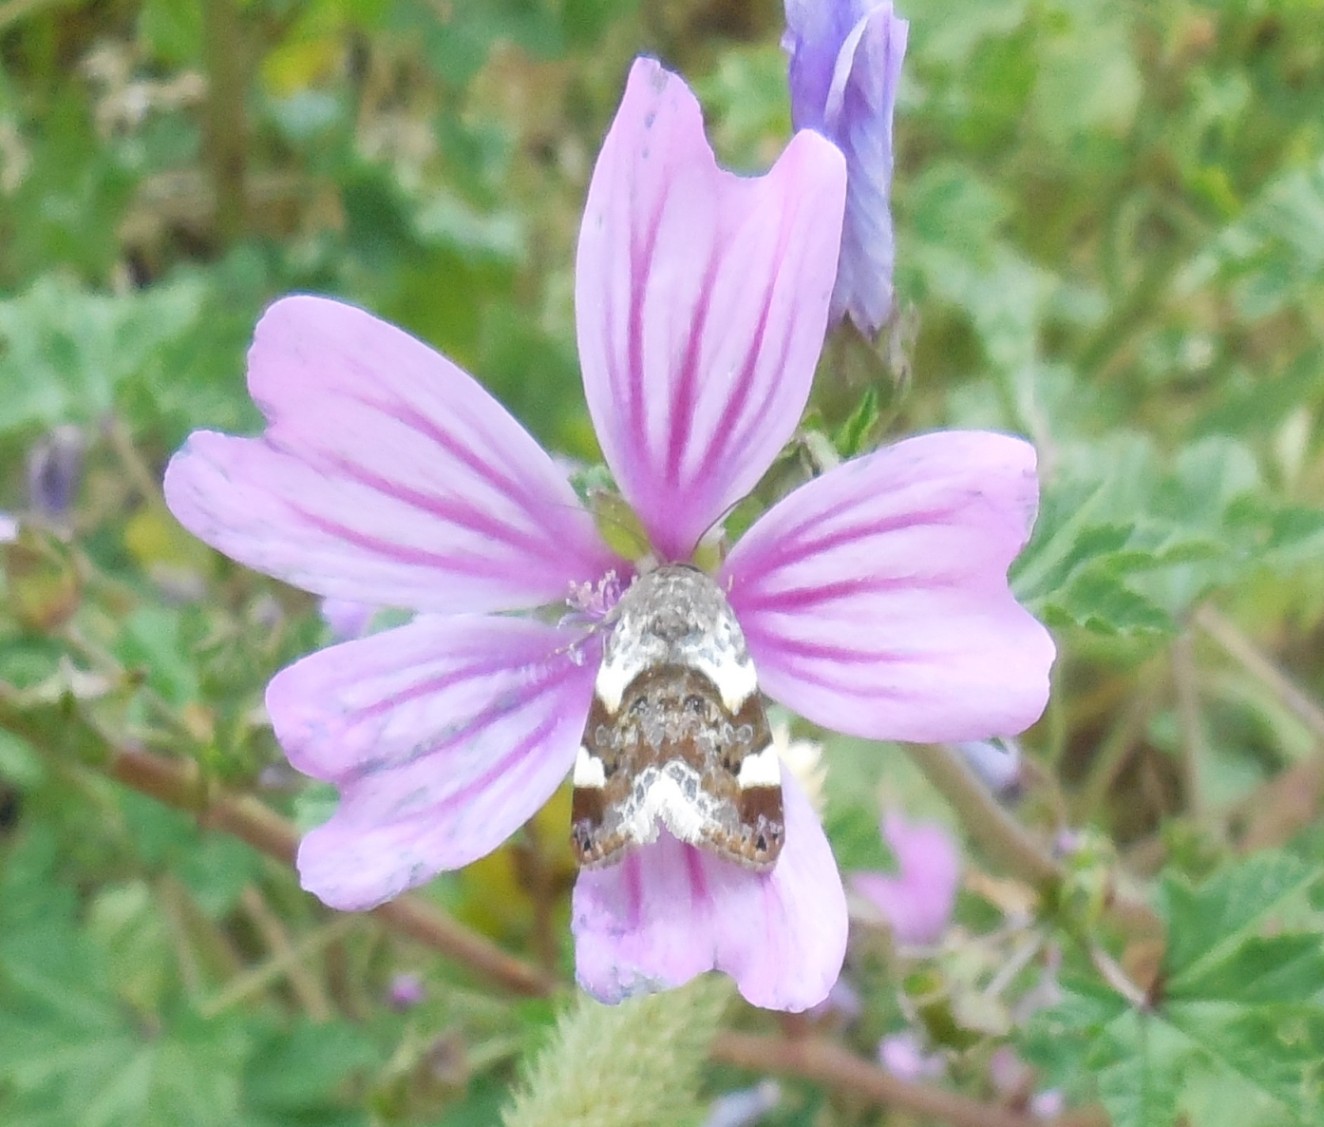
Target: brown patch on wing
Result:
[674, 713]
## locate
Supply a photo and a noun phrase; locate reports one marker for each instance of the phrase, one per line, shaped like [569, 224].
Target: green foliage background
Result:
[1110, 228]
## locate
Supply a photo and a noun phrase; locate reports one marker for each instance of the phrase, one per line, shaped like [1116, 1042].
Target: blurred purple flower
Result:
[388, 476]
[1048, 1104]
[405, 991]
[917, 901]
[996, 762]
[745, 1107]
[8, 528]
[845, 63]
[903, 1056]
[1013, 1079]
[842, 1003]
[55, 468]
[347, 618]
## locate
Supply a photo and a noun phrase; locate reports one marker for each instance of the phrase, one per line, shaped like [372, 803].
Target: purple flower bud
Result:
[406, 991]
[55, 467]
[845, 63]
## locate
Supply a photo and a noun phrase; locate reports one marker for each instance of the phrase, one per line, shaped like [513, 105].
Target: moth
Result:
[677, 734]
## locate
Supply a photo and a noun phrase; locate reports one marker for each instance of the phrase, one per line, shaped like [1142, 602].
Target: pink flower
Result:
[406, 990]
[347, 618]
[904, 1057]
[873, 600]
[917, 902]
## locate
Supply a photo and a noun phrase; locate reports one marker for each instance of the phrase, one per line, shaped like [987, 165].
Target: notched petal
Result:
[700, 302]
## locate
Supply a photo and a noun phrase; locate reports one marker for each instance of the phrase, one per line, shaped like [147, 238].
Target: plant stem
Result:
[815, 1058]
[1115, 750]
[1245, 653]
[287, 956]
[179, 783]
[226, 141]
[1005, 840]
[1194, 741]
[1000, 835]
[1277, 809]
[286, 962]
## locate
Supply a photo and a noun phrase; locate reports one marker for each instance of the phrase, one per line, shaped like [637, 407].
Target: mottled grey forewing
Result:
[677, 734]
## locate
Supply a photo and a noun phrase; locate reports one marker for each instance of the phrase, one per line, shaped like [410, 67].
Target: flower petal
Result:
[443, 736]
[669, 912]
[386, 476]
[875, 600]
[917, 902]
[845, 65]
[701, 300]
[815, 32]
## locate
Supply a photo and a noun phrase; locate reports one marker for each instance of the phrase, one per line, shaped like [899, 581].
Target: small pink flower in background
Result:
[1013, 1079]
[405, 991]
[347, 618]
[904, 1057]
[845, 65]
[873, 600]
[917, 902]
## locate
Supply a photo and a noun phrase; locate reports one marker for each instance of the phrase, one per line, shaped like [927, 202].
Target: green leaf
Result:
[1214, 921]
[1127, 542]
[853, 436]
[65, 350]
[1237, 1011]
[299, 1069]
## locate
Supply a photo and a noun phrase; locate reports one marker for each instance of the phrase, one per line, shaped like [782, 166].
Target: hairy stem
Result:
[1005, 840]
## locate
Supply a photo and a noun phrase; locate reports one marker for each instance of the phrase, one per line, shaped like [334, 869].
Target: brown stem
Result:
[179, 783]
[305, 985]
[1116, 749]
[1194, 742]
[1008, 842]
[1001, 836]
[227, 148]
[815, 1058]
